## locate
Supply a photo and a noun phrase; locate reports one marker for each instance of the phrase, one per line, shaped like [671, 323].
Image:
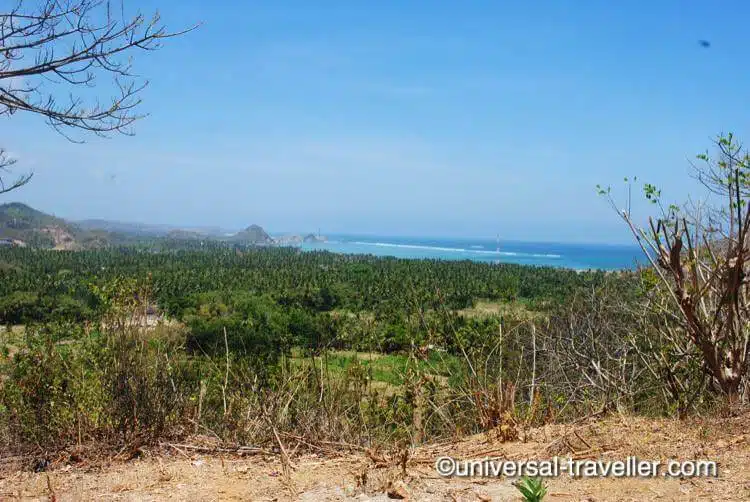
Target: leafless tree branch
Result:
[55, 48]
[6, 163]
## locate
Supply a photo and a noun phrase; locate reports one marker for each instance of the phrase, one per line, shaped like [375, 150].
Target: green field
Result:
[389, 370]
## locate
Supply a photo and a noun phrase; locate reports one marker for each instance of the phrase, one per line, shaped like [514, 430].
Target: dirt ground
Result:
[180, 472]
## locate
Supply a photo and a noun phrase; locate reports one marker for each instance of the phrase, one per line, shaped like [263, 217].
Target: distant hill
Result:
[185, 235]
[35, 228]
[15, 215]
[254, 234]
[144, 229]
[124, 227]
[24, 225]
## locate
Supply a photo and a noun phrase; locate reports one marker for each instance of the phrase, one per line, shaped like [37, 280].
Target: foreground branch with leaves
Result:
[699, 254]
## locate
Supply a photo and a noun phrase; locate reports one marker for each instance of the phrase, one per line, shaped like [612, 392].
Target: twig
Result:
[286, 465]
[240, 450]
[180, 451]
[52, 496]
[316, 444]
[487, 452]
[582, 440]
[226, 374]
[284, 455]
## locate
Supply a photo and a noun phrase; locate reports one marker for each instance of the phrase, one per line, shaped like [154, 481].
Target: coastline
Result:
[578, 257]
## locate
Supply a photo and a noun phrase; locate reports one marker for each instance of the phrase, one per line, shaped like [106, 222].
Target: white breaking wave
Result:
[455, 250]
[409, 246]
[501, 253]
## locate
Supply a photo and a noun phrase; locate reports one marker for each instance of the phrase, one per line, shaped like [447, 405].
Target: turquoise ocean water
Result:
[575, 256]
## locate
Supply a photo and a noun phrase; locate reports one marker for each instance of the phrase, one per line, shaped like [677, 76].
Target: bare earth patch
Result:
[168, 474]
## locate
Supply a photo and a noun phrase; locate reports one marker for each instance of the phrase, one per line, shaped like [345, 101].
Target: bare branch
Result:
[53, 48]
[6, 163]
[72, 43]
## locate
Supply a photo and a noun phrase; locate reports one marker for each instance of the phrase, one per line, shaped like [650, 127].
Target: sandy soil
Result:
[169, 473]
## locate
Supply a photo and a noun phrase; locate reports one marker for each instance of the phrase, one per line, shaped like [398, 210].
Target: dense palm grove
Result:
[354, 282]
[235, 284]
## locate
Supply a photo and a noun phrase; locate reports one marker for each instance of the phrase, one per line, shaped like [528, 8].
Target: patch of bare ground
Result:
[183, 472]
[64, 240]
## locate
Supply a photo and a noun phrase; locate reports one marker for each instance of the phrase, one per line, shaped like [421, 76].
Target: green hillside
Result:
[19, 222]
[35, 228]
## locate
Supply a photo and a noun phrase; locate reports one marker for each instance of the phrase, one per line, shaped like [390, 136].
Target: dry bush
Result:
[700, 257]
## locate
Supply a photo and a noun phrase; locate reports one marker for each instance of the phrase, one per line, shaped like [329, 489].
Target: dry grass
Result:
[16, 328]
[169, 474]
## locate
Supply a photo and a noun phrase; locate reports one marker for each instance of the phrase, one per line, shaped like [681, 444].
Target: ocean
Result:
[573, 256]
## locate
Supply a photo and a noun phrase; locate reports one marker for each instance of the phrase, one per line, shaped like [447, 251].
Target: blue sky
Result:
[407, 118]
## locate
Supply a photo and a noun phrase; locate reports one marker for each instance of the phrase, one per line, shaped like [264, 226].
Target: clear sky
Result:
[407, 117]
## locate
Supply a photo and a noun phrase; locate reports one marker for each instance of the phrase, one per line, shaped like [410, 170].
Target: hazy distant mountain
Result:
[125, 227]
[185, 235]
[145, 229]
[254, 234]
[20, 223]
